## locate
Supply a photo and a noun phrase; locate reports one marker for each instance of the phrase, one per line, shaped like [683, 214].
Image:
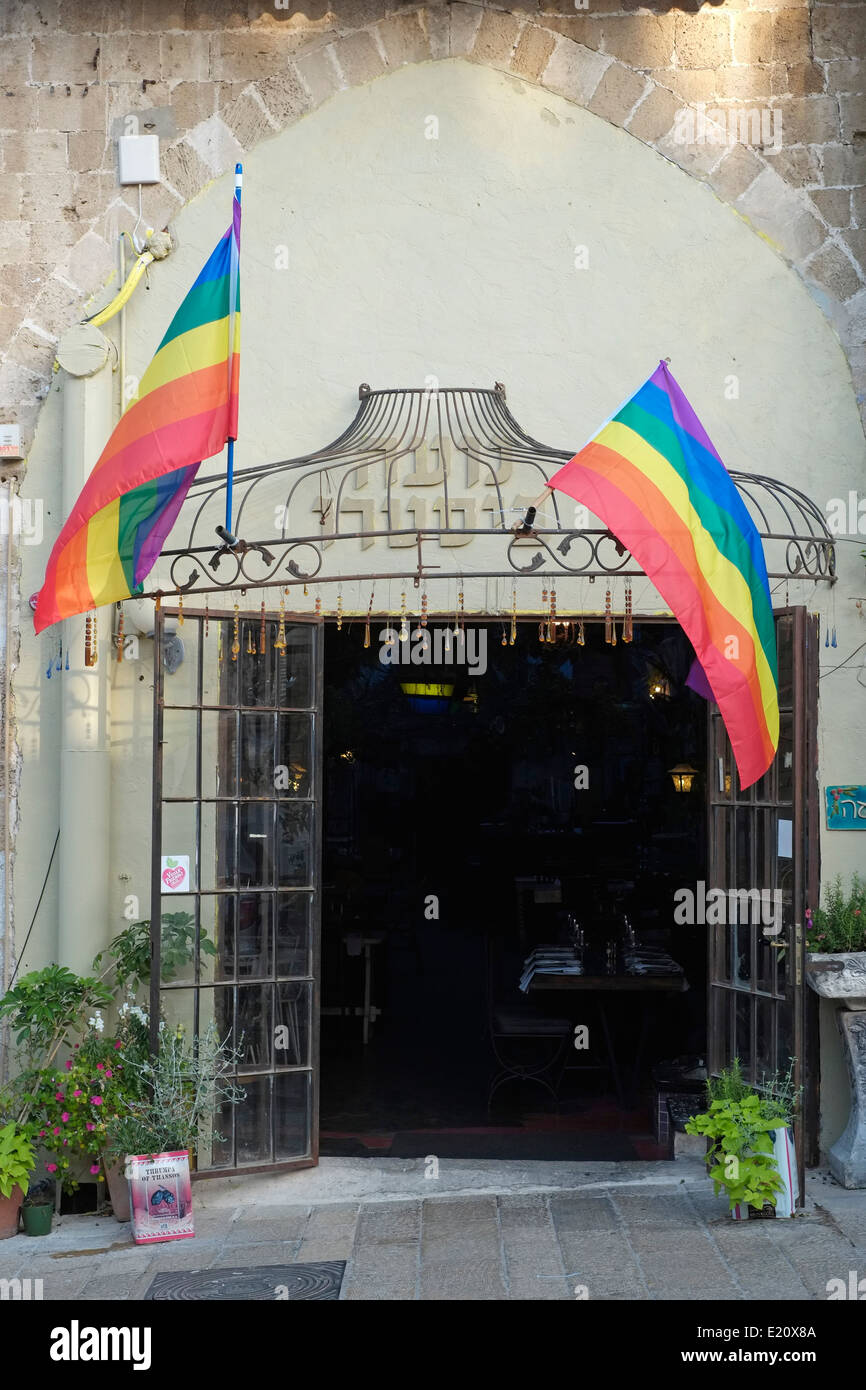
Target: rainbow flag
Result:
[185, 411]
[653, 477]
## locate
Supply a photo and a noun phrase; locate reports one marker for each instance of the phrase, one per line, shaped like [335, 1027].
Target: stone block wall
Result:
[215, 79]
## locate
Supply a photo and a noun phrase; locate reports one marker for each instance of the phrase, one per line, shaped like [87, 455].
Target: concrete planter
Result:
[840, 976]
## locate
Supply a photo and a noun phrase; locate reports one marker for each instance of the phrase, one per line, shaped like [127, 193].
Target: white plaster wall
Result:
[454, 258]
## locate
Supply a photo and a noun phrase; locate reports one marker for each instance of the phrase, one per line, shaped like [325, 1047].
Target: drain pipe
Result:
[85, 755]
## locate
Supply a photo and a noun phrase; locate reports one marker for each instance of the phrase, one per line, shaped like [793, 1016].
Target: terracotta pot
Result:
[118, 1188]
[9, 1209]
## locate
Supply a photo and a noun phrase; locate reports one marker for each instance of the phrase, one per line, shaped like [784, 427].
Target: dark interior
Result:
[456, 840]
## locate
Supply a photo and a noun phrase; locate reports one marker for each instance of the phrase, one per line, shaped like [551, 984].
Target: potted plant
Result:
[748, 1133]
[836, 970]
[17, 1160]
[37, 1209]
[181, 1091]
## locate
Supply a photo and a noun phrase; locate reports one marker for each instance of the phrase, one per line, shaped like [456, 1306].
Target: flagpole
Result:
[226, 532]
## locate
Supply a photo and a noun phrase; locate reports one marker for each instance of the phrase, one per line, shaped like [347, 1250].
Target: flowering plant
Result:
[75, 1107]
[841, 925]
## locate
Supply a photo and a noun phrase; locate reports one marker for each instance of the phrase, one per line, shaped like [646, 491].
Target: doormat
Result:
[259, 1283]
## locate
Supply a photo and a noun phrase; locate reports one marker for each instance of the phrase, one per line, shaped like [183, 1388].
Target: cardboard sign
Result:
[846, 808]
[175, 873]
[160, 1197]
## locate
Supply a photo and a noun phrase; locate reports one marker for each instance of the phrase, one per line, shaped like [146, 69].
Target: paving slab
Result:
[489, 1232]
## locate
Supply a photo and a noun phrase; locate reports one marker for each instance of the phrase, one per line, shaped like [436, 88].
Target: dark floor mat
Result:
[263, 1283]
[570, 1147]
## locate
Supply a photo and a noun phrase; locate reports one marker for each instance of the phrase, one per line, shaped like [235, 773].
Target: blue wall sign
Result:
[846, 808]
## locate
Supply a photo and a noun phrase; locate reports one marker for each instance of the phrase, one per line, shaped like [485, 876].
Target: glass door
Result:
[236, 867]
[762, 853]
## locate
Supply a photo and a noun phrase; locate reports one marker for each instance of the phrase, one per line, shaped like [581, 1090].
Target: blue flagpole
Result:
[230, 461]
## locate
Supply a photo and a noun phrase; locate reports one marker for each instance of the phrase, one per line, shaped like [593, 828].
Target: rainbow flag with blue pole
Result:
[186, 410]
[652, 476]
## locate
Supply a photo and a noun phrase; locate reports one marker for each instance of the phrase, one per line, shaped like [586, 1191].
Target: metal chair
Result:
[514, 1024]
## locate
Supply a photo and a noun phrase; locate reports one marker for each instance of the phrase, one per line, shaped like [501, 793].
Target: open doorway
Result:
[488, 802]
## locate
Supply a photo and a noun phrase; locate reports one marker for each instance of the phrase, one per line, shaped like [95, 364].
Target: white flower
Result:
[97, 1022]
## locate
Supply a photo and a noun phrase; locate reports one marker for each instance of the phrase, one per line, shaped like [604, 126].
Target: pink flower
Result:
[65, 1116]
[117, 1045]
[96, 1100]
[76, 1094]
[51, 1167]
[66, 1141]
[99, 1066]
[107, 1072]
[94, 1167]
[856, 912]
[69, 1065]
[56, 1129]
[89, 1125]
[58, 1095]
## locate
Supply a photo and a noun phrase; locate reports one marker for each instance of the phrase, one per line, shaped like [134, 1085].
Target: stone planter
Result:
[840, 976]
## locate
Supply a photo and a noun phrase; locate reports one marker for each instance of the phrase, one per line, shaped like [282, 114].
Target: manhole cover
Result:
[259, 1282]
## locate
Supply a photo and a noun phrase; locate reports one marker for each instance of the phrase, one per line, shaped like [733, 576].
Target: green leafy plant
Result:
[841, 924]
[741, 1151]
[739, 1121]
[46, 1005]
[17, 1158]
[182, 1090]
[130, 950]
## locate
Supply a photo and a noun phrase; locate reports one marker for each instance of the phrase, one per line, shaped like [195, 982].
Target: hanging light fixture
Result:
[683, 775]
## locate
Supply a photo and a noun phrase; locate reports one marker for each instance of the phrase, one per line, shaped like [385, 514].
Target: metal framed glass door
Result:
[762, 841]
[236, 867]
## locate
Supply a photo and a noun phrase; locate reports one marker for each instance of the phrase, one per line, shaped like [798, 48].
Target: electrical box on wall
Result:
[138, 159]
[10, 443]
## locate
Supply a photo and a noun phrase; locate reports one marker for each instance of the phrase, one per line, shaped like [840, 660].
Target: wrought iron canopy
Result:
[458, 461]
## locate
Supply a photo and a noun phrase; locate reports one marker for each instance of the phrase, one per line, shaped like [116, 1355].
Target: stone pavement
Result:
[481, 1231]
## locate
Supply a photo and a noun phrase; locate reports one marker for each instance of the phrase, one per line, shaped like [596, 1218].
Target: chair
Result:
[514, 1024]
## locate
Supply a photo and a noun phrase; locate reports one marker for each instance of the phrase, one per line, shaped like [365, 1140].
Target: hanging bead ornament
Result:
[306, 591]
[512, 637]
[608, 620]
[236, 635]
[280, 640]
[541, 625]
[581, 635]
[318, 606]
[262, 643]
[404, 628]
[340, 611]
[206, 619]
[367, 622]
[180, 610]
[627, 626]
[461, 615]
[251, 646]
[551, 617]
[66, 664]
[424, 609]
[119, 635]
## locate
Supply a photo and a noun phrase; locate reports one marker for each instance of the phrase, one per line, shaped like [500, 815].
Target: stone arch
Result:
[217, 120]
